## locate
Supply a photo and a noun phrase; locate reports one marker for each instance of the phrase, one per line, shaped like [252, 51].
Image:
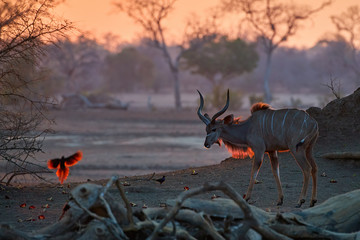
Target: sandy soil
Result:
[128, 142]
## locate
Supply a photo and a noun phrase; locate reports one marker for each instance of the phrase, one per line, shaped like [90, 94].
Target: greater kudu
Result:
[267, 131]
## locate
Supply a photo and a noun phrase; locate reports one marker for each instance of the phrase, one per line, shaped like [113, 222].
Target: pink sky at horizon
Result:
[100, 17]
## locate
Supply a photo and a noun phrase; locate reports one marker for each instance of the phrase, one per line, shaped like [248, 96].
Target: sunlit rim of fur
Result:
[237, 151]
[237, 120]
[259, 106]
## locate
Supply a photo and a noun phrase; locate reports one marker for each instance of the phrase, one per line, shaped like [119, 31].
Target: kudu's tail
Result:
[307, 137]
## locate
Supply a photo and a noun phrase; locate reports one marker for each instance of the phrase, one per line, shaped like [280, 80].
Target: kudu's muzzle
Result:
[209, 140]
[207, 145]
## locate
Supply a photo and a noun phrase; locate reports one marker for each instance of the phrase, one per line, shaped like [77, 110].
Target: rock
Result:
[339, 119]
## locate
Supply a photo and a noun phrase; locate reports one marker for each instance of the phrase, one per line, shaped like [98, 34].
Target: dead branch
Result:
[113, 227]
[22, 173]
[198, 220]
[126, 201]
[151, 177]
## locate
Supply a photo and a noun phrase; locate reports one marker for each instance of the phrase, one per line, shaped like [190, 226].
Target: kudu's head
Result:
[213, 126]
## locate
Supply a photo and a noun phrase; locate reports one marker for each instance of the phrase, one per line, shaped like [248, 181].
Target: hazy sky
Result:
[100, 17]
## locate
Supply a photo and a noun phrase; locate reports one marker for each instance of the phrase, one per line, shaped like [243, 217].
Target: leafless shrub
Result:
[26, 26]
[334, 86]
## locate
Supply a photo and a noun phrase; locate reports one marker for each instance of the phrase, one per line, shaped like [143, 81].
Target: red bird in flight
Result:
[63, 164]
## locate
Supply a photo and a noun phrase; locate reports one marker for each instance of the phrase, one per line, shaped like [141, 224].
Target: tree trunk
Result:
[267, 93]
[175, 74]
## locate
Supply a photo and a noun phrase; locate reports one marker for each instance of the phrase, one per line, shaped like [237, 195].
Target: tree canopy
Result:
[220, 59]
[127, 69]
[348, 26]
[273, 22]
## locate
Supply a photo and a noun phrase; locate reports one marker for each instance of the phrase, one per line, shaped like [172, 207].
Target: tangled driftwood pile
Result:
[92, 213]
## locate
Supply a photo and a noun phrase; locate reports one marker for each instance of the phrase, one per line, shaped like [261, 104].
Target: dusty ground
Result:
[101, 160]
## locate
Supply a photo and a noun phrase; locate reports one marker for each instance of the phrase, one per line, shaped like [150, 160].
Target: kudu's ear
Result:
[229, 119]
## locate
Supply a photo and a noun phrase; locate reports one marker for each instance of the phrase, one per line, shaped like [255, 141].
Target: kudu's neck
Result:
[236, 133]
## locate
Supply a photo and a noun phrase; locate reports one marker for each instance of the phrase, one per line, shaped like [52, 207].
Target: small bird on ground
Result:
[62, 165]
[161, 180]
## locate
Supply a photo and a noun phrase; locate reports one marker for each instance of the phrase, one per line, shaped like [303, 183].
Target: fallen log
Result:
[340, 213]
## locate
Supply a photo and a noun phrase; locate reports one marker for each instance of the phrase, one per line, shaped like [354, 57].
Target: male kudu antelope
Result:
[267, 131]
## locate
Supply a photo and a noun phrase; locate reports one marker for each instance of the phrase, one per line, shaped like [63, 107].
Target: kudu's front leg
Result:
[256, 164]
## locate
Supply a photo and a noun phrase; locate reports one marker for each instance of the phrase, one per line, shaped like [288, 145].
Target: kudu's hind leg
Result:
[300, 158]
[256, 164]
[311, 160]
[275, 170]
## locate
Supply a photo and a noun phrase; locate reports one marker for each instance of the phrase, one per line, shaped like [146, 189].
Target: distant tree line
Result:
[202, 57]
[206, 58]
[80, 67]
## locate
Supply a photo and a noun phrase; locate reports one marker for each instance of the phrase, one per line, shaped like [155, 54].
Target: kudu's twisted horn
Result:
[218, 114]
[201, 116]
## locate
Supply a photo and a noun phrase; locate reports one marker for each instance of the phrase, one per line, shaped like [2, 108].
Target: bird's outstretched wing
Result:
[73, 159]
[54, 163]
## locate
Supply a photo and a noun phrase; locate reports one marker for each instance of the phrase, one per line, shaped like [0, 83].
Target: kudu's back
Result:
[283, 129]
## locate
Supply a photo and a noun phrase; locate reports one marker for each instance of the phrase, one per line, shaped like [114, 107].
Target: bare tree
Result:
[26, 26]
[76, 62]
[334, 86]
[348, 26]
[273, 22]
[150, 14]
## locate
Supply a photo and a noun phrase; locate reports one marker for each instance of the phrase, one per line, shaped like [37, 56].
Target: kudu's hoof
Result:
[280, 202]
[312, 203]
[246, 198]
[300, 203]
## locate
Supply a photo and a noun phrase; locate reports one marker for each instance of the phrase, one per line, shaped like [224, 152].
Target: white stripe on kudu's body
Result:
[267, 131]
